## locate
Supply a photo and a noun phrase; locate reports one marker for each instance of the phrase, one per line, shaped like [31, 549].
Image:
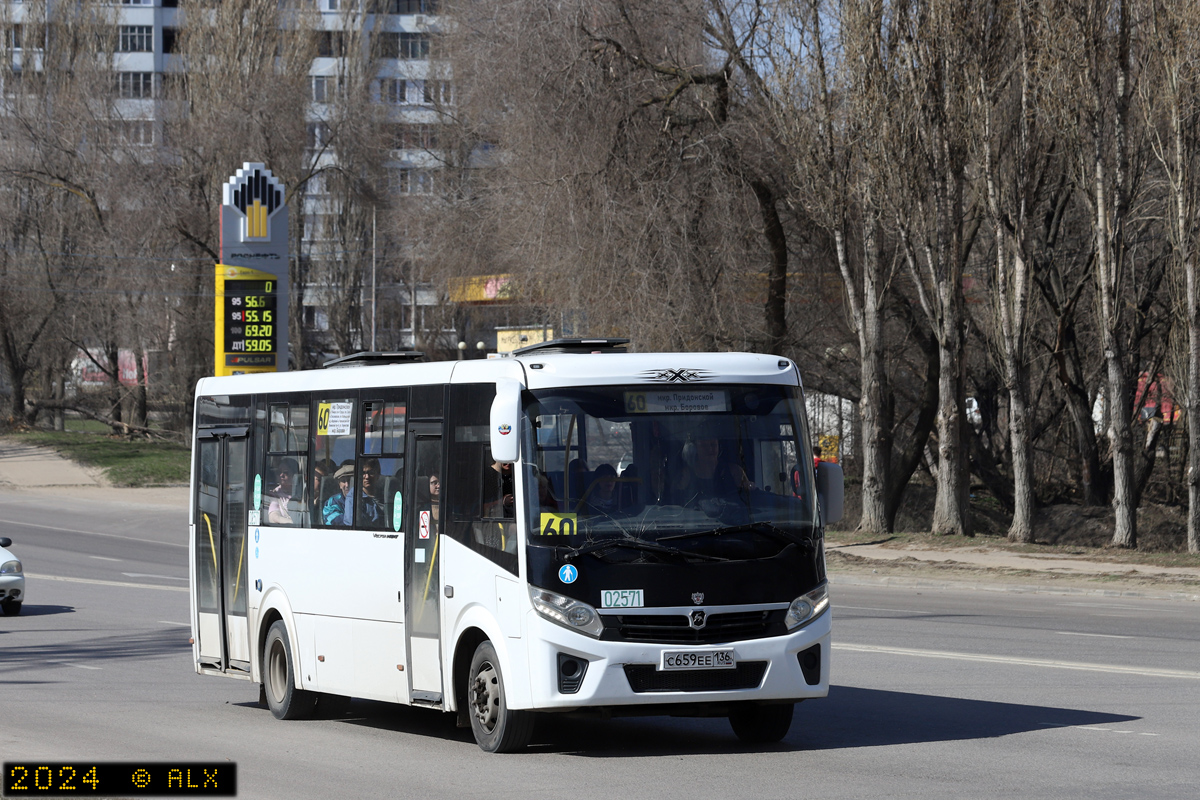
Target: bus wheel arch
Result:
[268, 618]
[464, 651]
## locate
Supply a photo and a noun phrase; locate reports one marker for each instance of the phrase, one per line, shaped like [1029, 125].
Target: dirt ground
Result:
[1161, 528]
[1072, 548]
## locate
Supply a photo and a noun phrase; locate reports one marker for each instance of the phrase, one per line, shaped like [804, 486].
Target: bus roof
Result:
[535, 370]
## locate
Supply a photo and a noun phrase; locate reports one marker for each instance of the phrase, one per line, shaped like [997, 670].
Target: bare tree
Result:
[1174, 98]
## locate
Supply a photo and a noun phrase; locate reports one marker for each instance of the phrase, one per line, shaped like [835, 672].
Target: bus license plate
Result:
[697, 659]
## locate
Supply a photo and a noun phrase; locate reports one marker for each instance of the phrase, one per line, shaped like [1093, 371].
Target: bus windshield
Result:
[644, 474]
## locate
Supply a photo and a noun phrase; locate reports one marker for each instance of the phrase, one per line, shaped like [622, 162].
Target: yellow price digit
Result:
[556, 524]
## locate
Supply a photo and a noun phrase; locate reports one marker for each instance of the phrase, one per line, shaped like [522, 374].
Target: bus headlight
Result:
[807, 607]
[10, 568]
[566, 611]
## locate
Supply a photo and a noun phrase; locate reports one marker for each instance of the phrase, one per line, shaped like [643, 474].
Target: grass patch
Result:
[125, 462]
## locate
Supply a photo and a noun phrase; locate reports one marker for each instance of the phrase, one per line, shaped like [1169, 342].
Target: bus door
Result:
[423, 584]
[220, 543]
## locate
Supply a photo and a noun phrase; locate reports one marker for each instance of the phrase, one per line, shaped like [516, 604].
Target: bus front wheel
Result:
[279, 681]
[497, 728]
[762, 724]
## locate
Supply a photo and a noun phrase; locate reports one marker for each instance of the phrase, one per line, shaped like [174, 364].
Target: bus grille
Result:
[647, 678]
[674, 628]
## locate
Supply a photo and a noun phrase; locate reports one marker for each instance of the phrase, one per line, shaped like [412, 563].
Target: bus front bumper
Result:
[779, 668]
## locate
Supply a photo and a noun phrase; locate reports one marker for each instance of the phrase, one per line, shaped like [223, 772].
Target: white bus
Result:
[573, 528]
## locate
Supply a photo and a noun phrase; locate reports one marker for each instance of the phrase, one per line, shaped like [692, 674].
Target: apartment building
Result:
[407, 83]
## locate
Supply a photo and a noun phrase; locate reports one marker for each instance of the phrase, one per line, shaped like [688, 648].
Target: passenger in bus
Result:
[707, 476]
[322, 468]
[601, 497]
[435, 499]
[498, 493]
[339, 508]
[277, 510]
[372, 515]
[546, 499]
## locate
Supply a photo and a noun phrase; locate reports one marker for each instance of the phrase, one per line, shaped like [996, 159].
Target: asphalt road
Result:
[937, 693]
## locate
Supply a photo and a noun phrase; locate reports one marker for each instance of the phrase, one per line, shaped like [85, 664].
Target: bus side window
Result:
[285, 501]
[383, 423]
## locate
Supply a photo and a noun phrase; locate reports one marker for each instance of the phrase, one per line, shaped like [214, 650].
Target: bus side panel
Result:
[478, 584]
[378, 656]
[344, 587]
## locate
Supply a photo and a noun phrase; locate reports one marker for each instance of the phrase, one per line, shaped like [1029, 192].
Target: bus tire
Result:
[11, 607]
[497, 728]
[762, 724]
[279, 677]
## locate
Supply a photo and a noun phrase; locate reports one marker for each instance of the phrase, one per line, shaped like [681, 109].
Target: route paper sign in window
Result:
[333, 419]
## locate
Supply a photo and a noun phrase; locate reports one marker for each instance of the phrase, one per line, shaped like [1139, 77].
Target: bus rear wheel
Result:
[762, 724]
[497, 728]
[279, 681]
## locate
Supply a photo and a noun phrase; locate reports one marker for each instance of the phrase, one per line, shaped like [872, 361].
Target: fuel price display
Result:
[250, 317]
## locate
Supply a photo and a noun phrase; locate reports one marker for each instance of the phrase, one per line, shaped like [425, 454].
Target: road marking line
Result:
[104, 558]
[147, 575]
[105, 583]
[1094, 728]
[89, 533]
[180, 624]
[1025, 662]
[838, 606]
[1101, 635]
[1121, 607]
[71, 664]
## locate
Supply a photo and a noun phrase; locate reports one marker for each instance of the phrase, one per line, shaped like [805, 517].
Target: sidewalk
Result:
[982, 568]
[26, 467]
[37, 470]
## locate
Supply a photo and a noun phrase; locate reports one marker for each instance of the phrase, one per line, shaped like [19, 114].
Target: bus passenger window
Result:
[333, 446]
[284, 499]
[383, 451]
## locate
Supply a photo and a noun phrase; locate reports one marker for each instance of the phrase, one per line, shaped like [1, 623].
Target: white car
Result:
[12, 580]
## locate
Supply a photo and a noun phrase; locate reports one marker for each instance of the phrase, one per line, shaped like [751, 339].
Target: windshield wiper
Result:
[782, 534]
[637, 544]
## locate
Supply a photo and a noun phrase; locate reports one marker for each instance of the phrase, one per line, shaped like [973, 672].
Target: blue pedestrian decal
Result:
[568, 573]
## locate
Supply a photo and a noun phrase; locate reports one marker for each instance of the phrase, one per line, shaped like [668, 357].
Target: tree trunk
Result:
[950, 506]
[876, 436]
[776, 304]
[141, 398]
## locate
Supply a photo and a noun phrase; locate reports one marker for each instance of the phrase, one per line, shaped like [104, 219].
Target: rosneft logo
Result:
[257, 194]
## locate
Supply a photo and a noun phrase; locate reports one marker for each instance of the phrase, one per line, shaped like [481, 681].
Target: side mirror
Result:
[831, 491]
[505, 419]
[5, 541]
